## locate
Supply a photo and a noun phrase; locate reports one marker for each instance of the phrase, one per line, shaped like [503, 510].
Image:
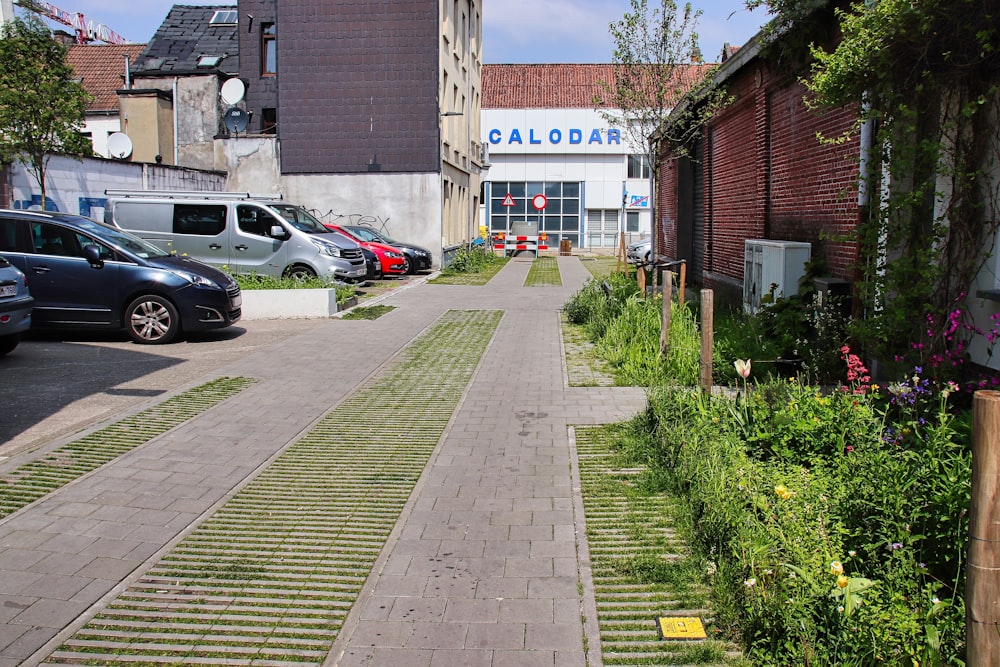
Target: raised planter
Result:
[273, 304]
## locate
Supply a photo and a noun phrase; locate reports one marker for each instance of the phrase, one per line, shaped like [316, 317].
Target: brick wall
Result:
[767, 175]
[358, 82]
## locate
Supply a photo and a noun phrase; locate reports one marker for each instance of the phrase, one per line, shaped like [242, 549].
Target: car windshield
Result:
[369, 234]
[299, 218]
[120, 239]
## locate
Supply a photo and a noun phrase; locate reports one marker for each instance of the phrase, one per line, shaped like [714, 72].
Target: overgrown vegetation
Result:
[367, 312]
[472, 265]
[924, 76]
[834, 521]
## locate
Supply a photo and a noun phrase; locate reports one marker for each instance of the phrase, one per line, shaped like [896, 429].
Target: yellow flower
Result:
[782, 492]
[842, 581]
[836, 567]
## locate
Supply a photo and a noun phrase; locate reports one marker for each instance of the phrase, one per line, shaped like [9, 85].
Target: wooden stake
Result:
[982, 587]
[707, 336]
[668, 296]
[684, 266]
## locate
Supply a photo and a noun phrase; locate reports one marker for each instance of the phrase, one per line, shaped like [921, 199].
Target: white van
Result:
[239, 231]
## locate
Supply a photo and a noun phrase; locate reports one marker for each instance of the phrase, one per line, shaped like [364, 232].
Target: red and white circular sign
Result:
[539, 202]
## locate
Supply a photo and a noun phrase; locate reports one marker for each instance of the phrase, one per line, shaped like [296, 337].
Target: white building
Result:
[545, 137]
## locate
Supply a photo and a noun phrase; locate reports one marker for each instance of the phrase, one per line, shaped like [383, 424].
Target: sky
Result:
[514, 31]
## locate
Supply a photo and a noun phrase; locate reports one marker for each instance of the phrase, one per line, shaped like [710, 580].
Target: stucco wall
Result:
[77, 186]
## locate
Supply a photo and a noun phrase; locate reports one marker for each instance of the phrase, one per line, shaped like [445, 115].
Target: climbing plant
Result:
[925, 76]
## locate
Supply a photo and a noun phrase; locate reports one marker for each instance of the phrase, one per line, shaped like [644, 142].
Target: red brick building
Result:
[760, 171]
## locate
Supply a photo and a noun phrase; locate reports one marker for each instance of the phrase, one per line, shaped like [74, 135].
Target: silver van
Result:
[239, 231]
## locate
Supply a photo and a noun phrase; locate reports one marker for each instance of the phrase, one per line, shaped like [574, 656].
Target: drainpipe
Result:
[176, 143]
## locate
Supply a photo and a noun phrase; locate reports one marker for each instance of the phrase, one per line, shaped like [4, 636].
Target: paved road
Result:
[497, 508]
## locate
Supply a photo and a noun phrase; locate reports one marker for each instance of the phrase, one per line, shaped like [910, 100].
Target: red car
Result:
[392, 259]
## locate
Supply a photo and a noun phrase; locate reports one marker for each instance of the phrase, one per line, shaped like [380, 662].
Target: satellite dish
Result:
[236, 119]
[232, 91]
[119, 145]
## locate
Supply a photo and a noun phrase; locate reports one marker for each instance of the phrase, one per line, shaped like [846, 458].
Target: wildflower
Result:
[742, 367]
[836, 567]
[840, 608]
[750, 583]
[896, 545]
[935, 600]
[782, 491]
[851, 552]
[842, 581]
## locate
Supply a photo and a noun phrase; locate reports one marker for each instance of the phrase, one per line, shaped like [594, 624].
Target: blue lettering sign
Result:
[595, 137]
[614, 136]
[531, 137]
[555, 136]
[495, 136]
[575, 136]
[515, 137]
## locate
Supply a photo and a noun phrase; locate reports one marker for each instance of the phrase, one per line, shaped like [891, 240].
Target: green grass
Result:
[483, 276]
[367, 312]
[544, 271]
[641, 569]
[603, 266]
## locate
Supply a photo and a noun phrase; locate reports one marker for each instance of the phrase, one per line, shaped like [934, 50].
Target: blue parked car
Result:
[15, 306]
[88, 275]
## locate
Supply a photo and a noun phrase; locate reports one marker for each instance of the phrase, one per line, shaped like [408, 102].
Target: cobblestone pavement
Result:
[486, 564]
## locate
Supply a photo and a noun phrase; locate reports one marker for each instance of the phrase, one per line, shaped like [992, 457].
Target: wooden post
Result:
[680, 295]
[707, 336]
[982, 586]
[668, 297]
[640, 277]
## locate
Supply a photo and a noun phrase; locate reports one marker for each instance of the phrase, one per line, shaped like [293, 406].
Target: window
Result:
[560, 218]
[200, 219]
[638, 166]
[268, 120]
[253, 220]
[224, 17]
[268, 50]
[632, 221]
[209, 61]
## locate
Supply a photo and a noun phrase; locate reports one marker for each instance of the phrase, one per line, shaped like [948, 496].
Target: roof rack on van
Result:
[190, 194]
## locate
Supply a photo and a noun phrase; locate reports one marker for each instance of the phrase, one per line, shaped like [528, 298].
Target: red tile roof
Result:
[553, 86]
[102, 68]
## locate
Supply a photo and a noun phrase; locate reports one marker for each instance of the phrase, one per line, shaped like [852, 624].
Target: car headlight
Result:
[394, 255]
[195, 279]
[326, 248]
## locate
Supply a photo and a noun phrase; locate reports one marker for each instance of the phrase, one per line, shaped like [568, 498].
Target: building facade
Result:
[544, 137]
[360, 111]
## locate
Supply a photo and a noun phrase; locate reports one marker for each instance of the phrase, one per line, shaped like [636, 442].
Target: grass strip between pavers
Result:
[271, 576]
[544, 272]
[29, 482]
[476, 279]
[640, 567]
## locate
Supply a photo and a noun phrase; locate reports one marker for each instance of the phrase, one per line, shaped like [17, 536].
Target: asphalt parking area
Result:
[57, 384]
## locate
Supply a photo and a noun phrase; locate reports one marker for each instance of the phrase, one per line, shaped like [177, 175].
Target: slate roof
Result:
[186, 35]
[555, 86]
[102, 68]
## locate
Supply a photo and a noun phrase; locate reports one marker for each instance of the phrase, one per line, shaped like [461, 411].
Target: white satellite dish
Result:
[232, 91]
[119, 145]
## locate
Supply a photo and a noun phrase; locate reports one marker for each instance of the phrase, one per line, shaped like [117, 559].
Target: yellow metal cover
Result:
[681, 627]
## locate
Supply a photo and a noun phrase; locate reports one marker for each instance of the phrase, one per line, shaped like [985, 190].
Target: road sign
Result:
[539, 202]
[508, 200]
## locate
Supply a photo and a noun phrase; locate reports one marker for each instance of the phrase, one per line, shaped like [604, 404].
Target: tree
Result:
[42, 107]
[657, 61]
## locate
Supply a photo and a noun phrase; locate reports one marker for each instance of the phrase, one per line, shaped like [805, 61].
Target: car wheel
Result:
[8, 343]
[299, 272]
[152, 320]
[408, 267]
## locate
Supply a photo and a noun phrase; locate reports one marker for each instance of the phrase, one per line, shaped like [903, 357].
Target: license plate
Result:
[8, 290]
[236, 301]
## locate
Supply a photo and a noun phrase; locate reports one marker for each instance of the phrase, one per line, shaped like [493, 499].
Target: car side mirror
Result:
[278, 232]
[93, 255]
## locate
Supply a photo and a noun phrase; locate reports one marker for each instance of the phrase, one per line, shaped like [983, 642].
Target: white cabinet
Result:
[776, 266]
